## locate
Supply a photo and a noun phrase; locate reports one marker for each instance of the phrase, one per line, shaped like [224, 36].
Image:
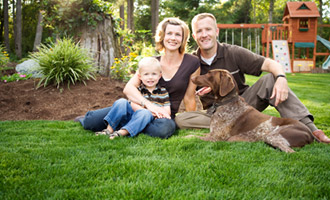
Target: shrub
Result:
[124, 68]
[4, 57]
[64, 62]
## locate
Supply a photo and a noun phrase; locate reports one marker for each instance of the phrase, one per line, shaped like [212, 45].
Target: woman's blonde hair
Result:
[160, 33]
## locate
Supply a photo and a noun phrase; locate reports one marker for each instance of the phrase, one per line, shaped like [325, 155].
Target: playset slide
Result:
[326, 43]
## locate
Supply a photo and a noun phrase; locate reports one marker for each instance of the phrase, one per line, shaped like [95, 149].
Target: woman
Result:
[177, 69]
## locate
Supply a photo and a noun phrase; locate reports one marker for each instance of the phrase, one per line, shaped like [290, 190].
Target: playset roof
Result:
[301, 9]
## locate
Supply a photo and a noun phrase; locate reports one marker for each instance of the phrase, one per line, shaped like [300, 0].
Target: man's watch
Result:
[280, 75]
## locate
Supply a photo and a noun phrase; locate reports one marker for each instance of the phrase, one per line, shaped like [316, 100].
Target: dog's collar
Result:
[215, 105]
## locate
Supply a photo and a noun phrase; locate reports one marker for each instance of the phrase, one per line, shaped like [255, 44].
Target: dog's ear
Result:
[226, 83]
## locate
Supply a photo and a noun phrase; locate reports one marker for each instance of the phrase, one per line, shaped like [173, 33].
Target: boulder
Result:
[29, 67]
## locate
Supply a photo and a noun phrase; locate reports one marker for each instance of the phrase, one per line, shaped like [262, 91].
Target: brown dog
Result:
[235, 120]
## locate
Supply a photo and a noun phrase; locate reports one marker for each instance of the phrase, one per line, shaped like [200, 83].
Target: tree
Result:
[321, 11]
[154, 15]
[6, 24]
[122, 16]
[122, 24]
[270, 12]
[37, 40]
[130, 12]
[18, 43]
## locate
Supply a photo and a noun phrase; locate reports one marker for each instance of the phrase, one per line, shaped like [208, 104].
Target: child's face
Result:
[150, 76]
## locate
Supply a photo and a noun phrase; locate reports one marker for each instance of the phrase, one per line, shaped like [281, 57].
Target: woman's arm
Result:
[189, 97]
[131, 90]
[135, 96]
[136, 107]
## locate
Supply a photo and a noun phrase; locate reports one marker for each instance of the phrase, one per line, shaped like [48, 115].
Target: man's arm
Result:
[189, 98]
[281, 88]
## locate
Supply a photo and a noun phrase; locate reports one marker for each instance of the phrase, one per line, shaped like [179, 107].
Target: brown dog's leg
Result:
[278, 141]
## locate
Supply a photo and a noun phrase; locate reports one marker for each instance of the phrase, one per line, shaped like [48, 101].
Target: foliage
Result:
[123, 68]
[66, 17]
[15, 77]
[64, 62]
[4, 56]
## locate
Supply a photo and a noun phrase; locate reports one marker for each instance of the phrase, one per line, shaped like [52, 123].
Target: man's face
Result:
[205, 34]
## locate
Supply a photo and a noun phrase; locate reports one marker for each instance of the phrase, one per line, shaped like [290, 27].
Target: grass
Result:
[61, 160]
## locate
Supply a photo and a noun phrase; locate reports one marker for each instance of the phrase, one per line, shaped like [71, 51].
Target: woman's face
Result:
[173, 37]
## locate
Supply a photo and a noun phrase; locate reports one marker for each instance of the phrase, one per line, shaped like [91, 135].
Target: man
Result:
[271, 89]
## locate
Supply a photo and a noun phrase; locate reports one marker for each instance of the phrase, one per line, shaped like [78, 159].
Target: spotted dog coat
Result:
[234, 120]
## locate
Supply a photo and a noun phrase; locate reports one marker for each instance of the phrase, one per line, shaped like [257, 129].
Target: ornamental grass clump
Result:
[64, 62]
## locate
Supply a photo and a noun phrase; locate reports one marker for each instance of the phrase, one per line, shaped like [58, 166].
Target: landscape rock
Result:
[30, 67]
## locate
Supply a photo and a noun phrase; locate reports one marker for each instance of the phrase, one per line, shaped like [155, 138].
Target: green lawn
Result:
[61, 160]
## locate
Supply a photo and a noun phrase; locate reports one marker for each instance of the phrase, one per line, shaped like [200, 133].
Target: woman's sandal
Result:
[114, 135]
[103, 132]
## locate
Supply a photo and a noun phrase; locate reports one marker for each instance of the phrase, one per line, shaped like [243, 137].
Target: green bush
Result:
[64, 62]
[4, 57]
[124, 68]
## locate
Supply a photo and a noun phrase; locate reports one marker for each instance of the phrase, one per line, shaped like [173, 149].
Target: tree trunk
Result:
[102, 43]
[130, 17]
[122, 16]
[154, 15]
[14, 21]
[270, 12]
[247, 11]
[38, 37]
[122, 25]
[6, 25]
[1, 21]
[321, 12]
[18, 44]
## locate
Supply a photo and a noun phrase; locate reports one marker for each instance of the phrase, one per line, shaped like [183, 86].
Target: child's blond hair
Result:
[149, 61]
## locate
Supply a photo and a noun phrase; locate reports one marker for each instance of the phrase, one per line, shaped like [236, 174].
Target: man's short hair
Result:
[200, 17]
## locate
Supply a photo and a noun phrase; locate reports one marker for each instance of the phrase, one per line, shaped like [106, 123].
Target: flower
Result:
[22, 75]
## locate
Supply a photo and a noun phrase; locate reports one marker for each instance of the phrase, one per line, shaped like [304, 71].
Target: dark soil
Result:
[22, 101]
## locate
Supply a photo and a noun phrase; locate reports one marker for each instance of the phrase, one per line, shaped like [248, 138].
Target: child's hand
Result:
[161, 115]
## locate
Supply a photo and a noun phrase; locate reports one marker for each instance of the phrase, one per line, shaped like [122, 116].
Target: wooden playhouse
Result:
[296, 36]
[302, 31]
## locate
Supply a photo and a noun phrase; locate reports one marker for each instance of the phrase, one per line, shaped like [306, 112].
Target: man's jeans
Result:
[95, 121]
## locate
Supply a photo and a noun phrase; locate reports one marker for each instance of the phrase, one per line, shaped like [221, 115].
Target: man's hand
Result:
[280, 90]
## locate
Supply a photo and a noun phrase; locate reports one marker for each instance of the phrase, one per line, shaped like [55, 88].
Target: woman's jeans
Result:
[97, 120]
